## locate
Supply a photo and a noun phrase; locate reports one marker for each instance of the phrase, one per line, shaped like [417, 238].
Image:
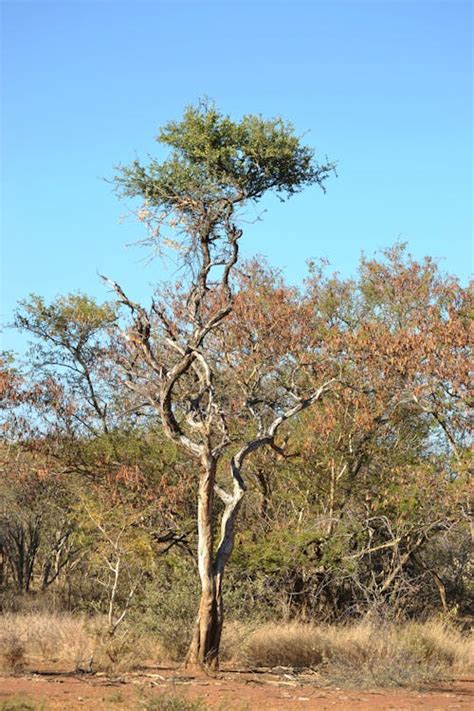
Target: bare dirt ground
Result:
[233, 690]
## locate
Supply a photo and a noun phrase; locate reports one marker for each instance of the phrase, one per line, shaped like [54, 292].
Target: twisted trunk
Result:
[205, 643]
[204, 649]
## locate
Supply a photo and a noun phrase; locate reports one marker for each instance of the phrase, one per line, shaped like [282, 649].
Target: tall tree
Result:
[174, 353]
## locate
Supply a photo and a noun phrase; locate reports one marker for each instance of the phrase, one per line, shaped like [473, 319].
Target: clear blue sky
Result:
[384, 88]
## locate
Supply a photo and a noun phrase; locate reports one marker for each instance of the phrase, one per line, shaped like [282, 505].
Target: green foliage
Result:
[168, 604]
[70, 319]
[107, 528]
[119, 547]
[280, 549]
[214, 158]
[70, 379]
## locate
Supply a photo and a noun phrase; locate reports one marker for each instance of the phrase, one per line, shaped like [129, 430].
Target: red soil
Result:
[241, 691]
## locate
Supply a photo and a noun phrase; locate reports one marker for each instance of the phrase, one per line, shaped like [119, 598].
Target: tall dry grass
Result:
[364, 654]
[45, 639]
[69, 643]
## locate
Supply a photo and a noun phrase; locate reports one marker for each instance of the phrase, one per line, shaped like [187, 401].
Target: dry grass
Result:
[360, 655]
[12, 651]
[46, 640]
[67, 642]
[124, 651]
[446, 645]
[172, 702]
[364, 654]
[21, 703]
[294, 645]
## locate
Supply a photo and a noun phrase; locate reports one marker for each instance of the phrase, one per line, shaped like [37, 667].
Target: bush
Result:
[439, 643]
[169, 607]
[125, 651]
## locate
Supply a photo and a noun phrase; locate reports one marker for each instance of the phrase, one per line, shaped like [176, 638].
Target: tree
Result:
[70, 355]
[71, 425]
[174, 354]
[119, 548]
[378, 471]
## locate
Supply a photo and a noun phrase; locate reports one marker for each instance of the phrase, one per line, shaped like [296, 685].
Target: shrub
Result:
[124, 651]
[168, 608]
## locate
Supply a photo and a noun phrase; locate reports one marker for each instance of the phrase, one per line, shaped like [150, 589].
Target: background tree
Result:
[373, 482]
[71, 346]
[69, 425]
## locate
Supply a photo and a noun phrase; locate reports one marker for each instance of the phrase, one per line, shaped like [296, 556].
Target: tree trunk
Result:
[204, 648]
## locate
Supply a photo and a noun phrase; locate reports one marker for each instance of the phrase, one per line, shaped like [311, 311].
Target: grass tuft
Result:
[21, 704]
[47, 639]
[294, 645]
[172, 702]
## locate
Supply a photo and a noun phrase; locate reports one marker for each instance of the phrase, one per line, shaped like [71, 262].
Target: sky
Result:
[381, 87]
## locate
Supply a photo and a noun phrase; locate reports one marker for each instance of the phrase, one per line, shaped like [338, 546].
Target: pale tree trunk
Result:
[204, 647]
[205, 643]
